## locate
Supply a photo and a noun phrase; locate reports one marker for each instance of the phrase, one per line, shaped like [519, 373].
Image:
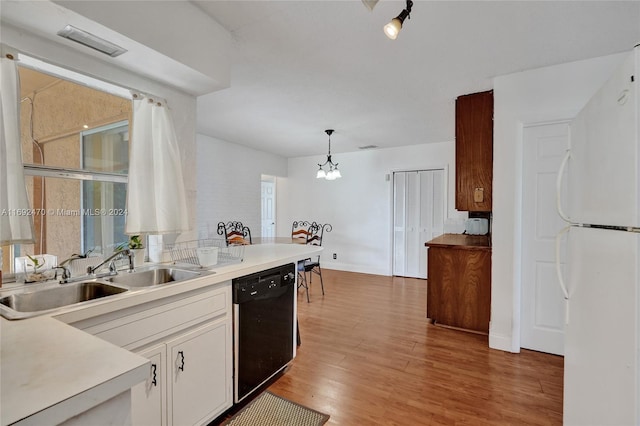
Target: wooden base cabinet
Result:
[459, 288]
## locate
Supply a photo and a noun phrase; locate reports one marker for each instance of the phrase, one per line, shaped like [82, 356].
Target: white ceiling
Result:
[300, 67]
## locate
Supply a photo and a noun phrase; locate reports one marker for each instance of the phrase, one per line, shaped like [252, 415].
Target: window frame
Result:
[39, 170]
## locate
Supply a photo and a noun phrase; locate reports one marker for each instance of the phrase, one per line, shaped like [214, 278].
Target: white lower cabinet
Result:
[199, 382]
[189, 379]
[148, 399]
[187, 338]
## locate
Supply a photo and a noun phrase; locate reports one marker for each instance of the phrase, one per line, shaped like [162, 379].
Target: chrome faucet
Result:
[66, 273]
[91, 270]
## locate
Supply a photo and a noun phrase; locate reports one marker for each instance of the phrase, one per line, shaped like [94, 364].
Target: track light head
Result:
[392, 29]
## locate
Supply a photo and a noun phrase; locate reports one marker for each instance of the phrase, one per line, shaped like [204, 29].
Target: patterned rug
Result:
[271, 410]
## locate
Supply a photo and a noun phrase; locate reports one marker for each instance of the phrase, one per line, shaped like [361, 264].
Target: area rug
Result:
[271, 410]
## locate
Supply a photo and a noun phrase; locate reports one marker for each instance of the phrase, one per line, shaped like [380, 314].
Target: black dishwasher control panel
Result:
[263, 285]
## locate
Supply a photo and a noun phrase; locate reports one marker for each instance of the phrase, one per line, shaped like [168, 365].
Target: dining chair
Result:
[235, 233]
[308, 266]
[299, 234]
[300, 231]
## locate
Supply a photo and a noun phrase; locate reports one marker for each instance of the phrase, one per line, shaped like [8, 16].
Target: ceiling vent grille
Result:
[368, 147]
[87, 39]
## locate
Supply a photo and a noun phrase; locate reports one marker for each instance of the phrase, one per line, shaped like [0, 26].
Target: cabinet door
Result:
[459, 288]
[474, 152]
[200, 381]
[437, 265]
[148, 398]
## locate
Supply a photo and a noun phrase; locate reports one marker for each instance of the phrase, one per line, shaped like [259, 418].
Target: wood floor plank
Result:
[369, 356]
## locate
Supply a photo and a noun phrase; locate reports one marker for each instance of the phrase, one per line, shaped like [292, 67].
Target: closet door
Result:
[399, 208]
[431, 212]
[418, 217]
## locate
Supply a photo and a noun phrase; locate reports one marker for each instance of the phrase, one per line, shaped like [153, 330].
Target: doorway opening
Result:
[268, 206]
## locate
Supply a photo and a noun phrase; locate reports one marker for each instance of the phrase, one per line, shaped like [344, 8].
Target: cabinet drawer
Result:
[143, 327]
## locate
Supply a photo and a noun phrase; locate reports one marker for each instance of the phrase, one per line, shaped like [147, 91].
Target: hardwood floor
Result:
[369, 357]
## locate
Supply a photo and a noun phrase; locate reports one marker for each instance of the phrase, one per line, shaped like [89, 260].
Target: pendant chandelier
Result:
[333, 172]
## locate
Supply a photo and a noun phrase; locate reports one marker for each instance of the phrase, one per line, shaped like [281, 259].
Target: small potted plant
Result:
[38, 273]
[137, 248]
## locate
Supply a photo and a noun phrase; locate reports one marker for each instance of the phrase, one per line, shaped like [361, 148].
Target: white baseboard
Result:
[363, 269]
[501, 342]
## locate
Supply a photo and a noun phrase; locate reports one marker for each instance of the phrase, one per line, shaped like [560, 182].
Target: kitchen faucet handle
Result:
[66, 274]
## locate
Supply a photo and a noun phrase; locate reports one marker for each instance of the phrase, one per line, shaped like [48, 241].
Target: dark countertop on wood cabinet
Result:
[461, 242]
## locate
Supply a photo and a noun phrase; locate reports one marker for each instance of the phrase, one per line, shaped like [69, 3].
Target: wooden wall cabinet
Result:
[474, 152]
[459, 285]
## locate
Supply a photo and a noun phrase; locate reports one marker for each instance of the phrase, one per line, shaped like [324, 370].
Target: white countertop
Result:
[51, 371]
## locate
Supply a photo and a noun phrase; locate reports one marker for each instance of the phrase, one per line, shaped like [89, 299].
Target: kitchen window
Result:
[104, 199]
[75, 148]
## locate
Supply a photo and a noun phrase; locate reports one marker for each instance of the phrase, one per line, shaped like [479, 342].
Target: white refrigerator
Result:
[601, 202]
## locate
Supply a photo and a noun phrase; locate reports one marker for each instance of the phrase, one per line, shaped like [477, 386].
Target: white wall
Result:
[535, 96]
[359, 205]
[229, 188]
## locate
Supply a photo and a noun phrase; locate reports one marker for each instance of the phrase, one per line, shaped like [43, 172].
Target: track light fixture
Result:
[392, 29]
[333, 172]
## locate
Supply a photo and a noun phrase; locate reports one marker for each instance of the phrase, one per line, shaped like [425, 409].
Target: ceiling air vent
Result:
[368, 147]
[92, 41]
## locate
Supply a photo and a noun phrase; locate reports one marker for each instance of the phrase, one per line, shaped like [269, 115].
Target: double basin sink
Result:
[37, 302]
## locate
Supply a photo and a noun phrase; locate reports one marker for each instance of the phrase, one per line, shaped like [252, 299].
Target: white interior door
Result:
[542, 314]
[268, 207]
[418, 217]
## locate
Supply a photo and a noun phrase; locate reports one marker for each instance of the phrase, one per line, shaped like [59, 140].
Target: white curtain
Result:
[16, 225]
[156, 198]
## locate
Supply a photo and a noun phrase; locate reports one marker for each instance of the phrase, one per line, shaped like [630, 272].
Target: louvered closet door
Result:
[418, 217]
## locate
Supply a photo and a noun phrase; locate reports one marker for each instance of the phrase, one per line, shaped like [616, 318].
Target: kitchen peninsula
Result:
[59, 369]
[459, 281]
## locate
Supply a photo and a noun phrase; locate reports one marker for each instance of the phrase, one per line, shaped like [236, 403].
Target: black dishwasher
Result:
[263, 307]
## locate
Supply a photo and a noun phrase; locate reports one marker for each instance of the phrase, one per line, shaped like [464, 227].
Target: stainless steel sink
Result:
[152, 277]
[36, 302]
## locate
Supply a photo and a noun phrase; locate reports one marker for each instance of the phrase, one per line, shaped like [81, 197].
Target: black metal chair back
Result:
[235, 233]
[315, 234]
[300, 231]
